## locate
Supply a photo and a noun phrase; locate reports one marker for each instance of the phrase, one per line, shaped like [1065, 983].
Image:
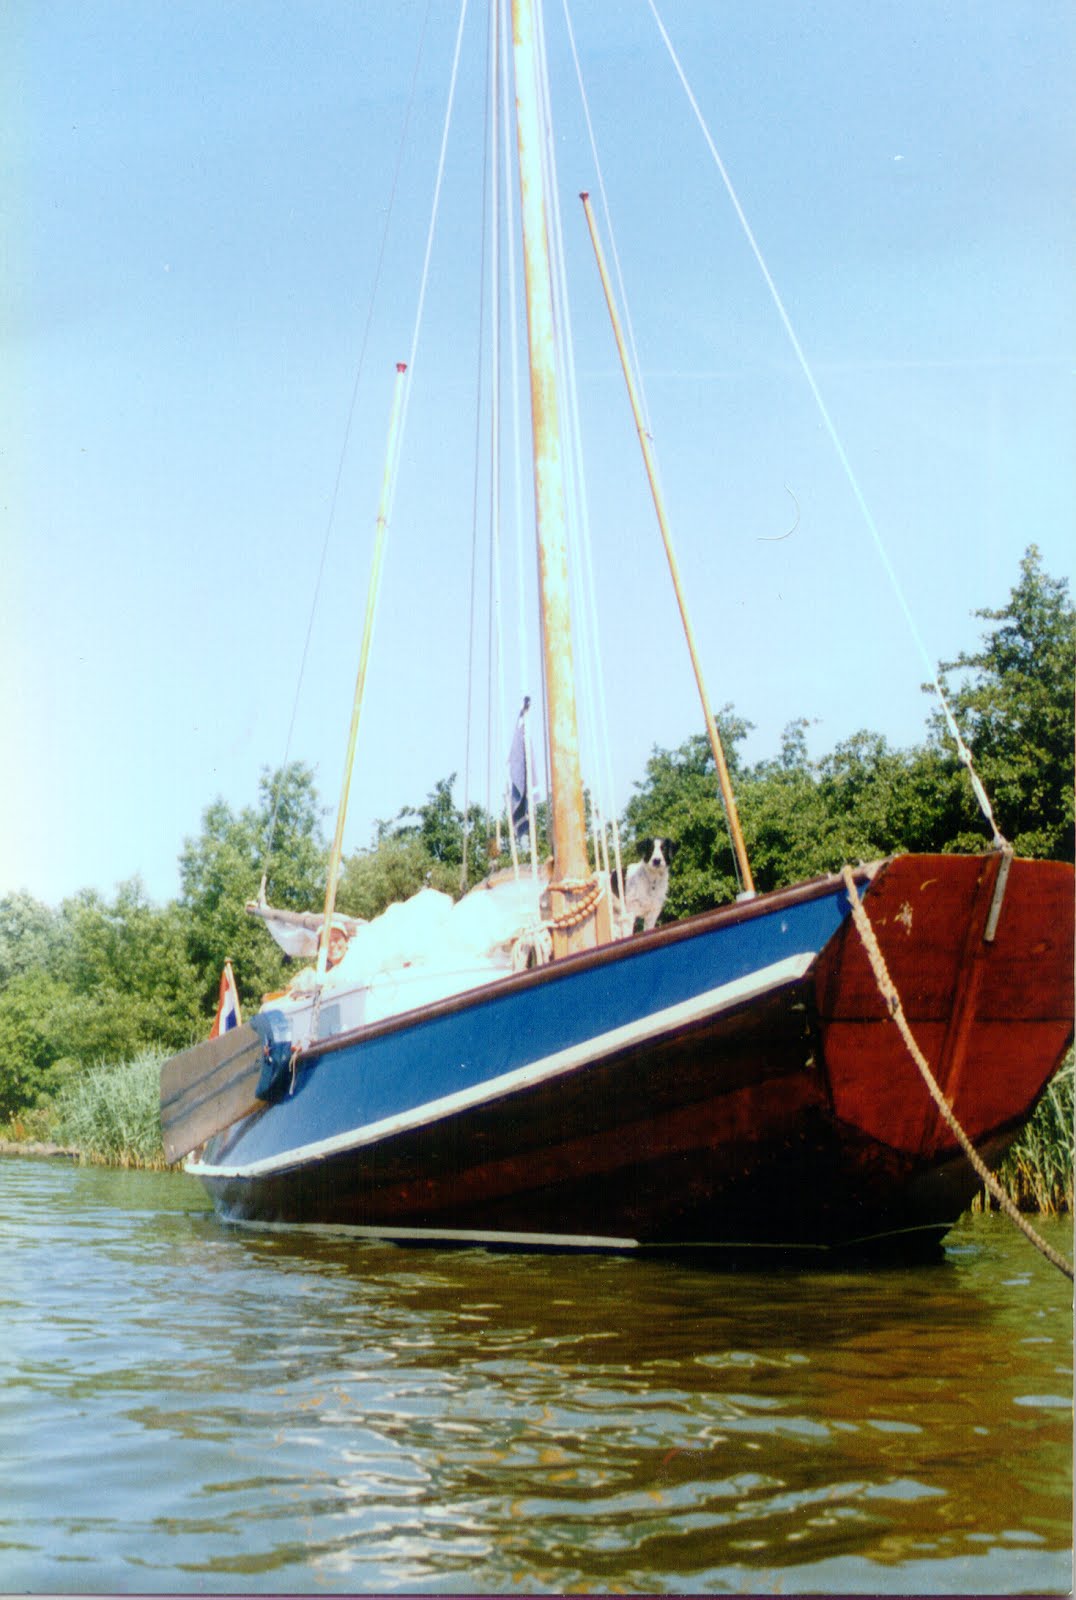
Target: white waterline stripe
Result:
[685, 1012]
[350, 1230]
[574, 1241]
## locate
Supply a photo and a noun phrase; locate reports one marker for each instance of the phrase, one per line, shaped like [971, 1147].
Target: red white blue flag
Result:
[228, 1012]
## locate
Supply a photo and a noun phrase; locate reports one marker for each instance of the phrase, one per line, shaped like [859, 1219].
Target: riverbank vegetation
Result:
[121, 980]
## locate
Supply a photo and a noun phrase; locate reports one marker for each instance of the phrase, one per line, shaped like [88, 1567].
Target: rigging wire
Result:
[496, 642]
[835, 438]
[430, 232]
[335, 496]
[607, 214]
[392, 466]
[480, 365]
[637, 381]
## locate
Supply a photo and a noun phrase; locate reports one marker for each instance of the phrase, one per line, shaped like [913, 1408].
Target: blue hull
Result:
[552, 1107]
[688, 1088]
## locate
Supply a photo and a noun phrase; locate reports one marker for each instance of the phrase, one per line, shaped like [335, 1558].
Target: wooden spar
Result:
[659, 505]
[571, 866]
[360, 679]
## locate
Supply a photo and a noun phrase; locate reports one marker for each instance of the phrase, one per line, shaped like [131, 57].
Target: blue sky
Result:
[193, 203]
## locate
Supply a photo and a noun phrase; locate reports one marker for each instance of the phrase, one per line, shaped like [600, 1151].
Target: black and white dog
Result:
[646, 885]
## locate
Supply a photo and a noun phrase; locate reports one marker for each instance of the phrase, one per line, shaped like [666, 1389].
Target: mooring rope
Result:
[888, 990]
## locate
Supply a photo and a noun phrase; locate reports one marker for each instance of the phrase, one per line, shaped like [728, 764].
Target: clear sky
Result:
[193, 200]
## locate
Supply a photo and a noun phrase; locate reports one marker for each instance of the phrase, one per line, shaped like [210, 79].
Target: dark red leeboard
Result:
[992, 1018]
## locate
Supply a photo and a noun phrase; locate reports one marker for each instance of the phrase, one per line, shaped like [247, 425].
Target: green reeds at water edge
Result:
[1037, 1172]
[111, 1115]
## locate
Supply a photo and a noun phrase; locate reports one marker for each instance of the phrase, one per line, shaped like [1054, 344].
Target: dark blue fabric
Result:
[517, 772]
[275, 1080]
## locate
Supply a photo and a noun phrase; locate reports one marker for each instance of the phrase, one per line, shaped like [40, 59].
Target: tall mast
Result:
[373, 593]
[571, 869]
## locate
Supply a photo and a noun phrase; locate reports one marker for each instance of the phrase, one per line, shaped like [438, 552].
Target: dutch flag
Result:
[228, 1012]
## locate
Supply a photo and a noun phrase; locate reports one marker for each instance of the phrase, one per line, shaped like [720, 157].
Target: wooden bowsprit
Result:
[207, 1088]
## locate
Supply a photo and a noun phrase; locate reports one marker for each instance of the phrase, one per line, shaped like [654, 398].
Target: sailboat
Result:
[521, 1069]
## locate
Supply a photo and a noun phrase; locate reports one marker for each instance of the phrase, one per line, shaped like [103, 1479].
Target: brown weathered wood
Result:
[994, 1020]
[207, 1088]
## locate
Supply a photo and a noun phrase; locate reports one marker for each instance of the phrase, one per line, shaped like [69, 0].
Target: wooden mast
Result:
[571, 867]
[725, 782]
[373, 592]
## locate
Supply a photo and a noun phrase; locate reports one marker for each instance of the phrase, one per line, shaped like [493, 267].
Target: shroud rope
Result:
[831, 428]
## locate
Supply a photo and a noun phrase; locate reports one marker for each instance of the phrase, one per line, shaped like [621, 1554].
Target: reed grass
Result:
[112, 1114]
[1037, 1172]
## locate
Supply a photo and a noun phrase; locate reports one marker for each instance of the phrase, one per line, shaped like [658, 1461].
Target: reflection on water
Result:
[188, 1407]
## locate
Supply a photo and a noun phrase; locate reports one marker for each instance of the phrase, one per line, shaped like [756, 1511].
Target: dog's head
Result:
[656, 853]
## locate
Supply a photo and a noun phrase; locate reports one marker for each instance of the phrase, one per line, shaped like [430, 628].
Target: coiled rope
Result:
[579, 910]
[888, 990]
[534, 946]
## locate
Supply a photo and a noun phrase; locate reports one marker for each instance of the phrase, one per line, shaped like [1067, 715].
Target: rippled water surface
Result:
[186, 1407]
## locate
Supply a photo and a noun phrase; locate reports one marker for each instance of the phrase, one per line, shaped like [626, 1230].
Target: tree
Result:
[222, 868]
[679, 798]
[29, 934]
[1014, 706]
[137, 954]
[32, 1005]
[110, 979]
[437, 832]
[396, 868]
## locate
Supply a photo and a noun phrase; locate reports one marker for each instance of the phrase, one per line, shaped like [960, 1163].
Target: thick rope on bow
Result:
[888, 990]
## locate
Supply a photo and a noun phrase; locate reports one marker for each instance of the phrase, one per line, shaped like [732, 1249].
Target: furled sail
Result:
[297, 932]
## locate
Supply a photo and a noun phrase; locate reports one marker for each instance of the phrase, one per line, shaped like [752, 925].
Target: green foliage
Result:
[221, 870]
[420, 845]
[395, 869]
[114, 977]
[29, 933]
[33, 1007]
[679, 799]
[1037, 1172]
[1014, 705]
[437, 828]
[800, 818]
[112, 1113]
[128, 959]
[864, 799]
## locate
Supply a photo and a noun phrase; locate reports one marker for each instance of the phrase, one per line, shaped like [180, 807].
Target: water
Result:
[186, 1407]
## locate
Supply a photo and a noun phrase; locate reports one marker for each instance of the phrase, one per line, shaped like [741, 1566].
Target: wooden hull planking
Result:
[784, 1114]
